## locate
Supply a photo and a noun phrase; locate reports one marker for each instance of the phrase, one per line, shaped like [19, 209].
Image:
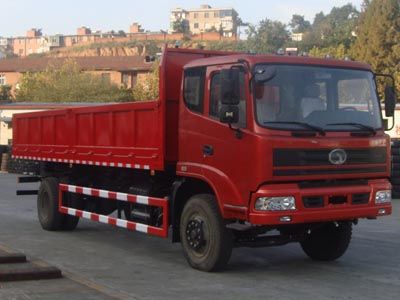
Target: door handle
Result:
[208, 150]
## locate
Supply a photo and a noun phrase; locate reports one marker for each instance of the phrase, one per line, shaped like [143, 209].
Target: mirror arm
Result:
[238, 132]
[393, 122]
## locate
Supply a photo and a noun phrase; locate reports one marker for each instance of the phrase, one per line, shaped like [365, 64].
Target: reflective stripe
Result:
[142, 199]
[141, 227]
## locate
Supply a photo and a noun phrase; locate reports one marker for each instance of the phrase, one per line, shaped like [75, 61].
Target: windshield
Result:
[327, 98]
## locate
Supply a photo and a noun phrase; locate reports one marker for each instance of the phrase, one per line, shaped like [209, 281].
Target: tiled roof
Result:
[115, 63]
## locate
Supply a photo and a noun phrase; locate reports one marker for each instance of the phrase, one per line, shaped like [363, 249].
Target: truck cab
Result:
[286, 143]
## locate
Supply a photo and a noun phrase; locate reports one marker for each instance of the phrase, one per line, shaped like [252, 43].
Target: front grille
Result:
[318, 201]
[297, 172]
[332, 183]
[360, 198]
[337, 199]
[313, 201]
[320, 157]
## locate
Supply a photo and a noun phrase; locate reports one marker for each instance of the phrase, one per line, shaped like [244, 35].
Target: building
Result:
[3, 53]
[206, 19]
[121, 70]
[297, 37]
[83, 31]
[136, 28]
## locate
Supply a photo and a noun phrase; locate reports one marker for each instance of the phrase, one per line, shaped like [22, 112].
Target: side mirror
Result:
[263, 74]
[230, 87]
[229, 114]
[390, 101]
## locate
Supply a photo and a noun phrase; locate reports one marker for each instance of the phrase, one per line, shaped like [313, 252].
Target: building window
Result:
[216, 14]
[196, 25]
[196, 15]
[226, 13]
[106, 77]
[125, 79]
[3, 80]
[206, 15]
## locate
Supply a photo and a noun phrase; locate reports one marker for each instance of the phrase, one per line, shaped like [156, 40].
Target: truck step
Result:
[27, 192]
[28, 179]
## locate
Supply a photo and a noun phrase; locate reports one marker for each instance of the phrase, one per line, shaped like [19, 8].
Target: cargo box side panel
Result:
[121, 135]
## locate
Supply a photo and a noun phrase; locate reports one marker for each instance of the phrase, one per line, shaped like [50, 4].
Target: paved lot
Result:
[133, 265]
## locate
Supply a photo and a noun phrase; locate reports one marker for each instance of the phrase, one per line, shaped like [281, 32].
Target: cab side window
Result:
[194, 89]
[215, 98]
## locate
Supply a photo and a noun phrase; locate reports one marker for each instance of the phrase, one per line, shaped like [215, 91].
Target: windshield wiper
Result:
[320, 130]
[359, 125]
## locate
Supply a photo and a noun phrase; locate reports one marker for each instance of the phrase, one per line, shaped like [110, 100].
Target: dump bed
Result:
[121, 135]
[141, 135]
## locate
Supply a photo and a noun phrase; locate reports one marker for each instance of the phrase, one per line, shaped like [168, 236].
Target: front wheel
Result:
[328, 242]
[207, 243]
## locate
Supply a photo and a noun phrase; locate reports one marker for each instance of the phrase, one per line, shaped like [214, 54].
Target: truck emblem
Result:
[337, 157]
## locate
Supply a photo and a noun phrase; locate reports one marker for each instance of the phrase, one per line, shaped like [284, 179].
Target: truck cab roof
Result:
[277, 59]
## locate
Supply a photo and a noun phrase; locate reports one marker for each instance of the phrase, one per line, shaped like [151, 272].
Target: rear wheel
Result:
[207, 243]
[328, 242]
[47, 206]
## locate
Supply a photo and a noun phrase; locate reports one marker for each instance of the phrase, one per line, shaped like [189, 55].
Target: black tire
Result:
[395, 187]
[328, 242]
[47, 205]
[395, 159]
[395, 180]
[396, 167]
[395, 143]
[202, 226]
[395, 194]
[395, 151]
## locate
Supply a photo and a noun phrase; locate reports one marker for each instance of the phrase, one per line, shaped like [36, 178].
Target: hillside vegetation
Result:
[371, 35]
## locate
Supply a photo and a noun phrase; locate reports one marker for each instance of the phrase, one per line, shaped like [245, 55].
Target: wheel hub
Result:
[195, 234]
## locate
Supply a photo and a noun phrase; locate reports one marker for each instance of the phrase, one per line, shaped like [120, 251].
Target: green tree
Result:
[378, 37]
[333, 29]
[299, 25]
[268, 36]
[68, 84]
[181, 26]
[339, 52]
[5, 93]
[148, 89]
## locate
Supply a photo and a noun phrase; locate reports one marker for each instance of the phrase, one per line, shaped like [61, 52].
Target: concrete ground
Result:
[125, 265]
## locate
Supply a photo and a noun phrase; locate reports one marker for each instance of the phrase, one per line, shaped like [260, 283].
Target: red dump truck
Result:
[239, 150]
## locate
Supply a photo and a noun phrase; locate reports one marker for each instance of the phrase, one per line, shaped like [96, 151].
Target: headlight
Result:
[275, 203]
[383, 197]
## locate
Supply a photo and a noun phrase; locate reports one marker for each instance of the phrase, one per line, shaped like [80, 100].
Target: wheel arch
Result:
[182, 190]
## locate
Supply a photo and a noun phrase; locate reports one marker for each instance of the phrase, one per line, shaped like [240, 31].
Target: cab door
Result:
[227, 156]
[209, 149]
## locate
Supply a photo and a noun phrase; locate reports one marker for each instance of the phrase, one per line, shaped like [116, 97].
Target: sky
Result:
[55, 16]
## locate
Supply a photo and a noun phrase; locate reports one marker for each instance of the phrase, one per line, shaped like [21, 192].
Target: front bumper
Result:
[329, 211]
